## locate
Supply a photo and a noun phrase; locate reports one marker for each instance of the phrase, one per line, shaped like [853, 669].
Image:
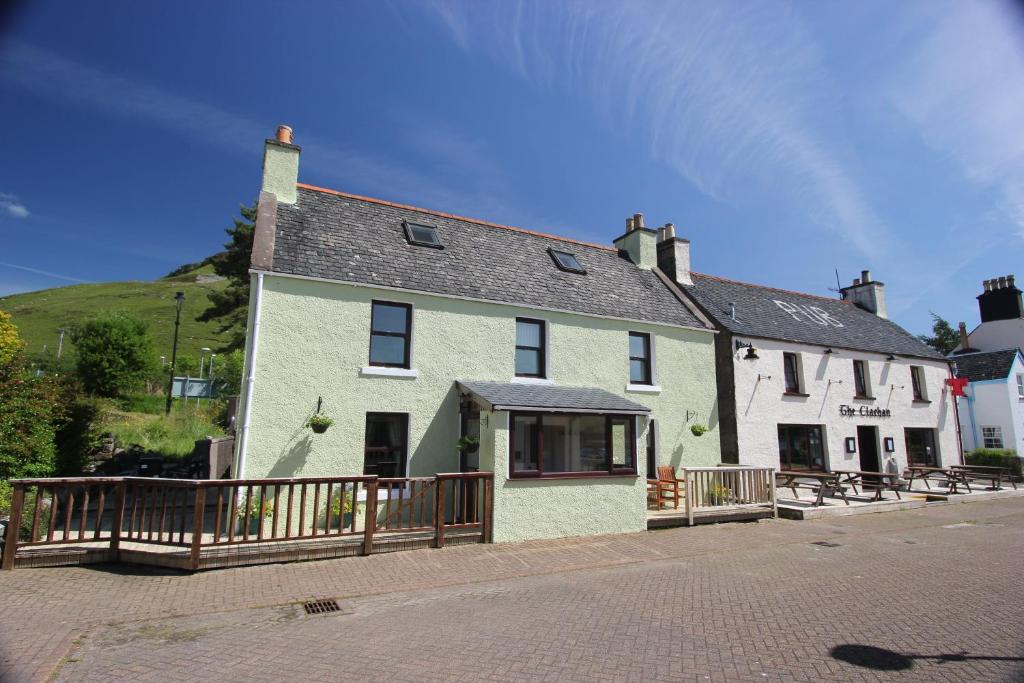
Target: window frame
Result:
[928, 436]
[997, 434]
[406, 336]
[807, 429]
[918, 385]
[863, 378]
[403, 441]
[647, 360]
[797, 388]
[552, 252]
[1020, 385]
[543, 348]
[538, 445]
[411, 238]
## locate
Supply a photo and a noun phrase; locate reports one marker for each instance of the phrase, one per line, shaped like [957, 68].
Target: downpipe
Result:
[250, 378]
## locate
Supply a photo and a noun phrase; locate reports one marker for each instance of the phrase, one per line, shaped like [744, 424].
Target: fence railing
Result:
[198, 514]
[717, 487]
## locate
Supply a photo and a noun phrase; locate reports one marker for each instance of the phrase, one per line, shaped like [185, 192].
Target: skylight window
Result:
[566, 261]
[423, 235]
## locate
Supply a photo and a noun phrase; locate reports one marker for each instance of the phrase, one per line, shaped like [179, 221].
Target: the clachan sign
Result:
[863, 411]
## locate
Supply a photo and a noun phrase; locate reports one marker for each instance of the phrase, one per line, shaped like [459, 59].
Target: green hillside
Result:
[39, 315]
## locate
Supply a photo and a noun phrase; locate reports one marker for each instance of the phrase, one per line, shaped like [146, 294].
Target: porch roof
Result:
[550, 398]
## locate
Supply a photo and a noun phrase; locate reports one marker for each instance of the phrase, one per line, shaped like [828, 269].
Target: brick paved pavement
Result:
[731, 602]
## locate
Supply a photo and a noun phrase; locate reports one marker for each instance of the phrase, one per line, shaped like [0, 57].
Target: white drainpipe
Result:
[250, 377]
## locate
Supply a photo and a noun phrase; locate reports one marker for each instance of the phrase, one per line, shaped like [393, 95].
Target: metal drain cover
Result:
[826, 544]
[321, 606]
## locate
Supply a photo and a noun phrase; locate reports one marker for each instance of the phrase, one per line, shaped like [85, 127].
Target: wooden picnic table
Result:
[879, 481]
[953, 477]
[987, 473]
[816, 481]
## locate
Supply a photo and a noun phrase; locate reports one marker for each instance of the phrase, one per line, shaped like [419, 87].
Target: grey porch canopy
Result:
[549, 398]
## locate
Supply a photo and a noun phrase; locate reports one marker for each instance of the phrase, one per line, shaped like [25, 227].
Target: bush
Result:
[79, 438]
[114, 353]
[30, 410]
[172, 436]
[991, 457]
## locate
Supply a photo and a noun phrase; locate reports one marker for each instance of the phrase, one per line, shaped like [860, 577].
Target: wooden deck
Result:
[734, 513]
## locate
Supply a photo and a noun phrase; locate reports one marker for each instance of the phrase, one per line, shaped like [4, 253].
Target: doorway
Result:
[867, 444]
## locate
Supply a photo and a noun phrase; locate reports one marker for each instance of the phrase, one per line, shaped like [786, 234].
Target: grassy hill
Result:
[39, 315]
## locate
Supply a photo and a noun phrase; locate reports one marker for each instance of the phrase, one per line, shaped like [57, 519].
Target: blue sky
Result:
[785, 140]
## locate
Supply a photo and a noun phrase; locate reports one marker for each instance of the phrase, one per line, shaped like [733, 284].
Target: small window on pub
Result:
[384, 450]
[1020, 386]
[860, 379]
[640, 358]
[531, 350]
[992, 437]
[917, 383]
[390, 334]
[792, 373]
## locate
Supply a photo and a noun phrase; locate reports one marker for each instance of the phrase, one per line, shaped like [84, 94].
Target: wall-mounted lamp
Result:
[890, 358]
[751, 351]
[829, 352]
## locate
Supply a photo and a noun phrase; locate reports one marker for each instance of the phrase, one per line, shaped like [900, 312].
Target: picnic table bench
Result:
[986, 473]
[878, 481]
[821, 482]
[952, 478]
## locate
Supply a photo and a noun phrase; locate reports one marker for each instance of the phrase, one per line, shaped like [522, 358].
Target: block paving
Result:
[937, 589]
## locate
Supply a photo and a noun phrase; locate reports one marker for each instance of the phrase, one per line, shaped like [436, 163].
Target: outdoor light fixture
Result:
[179, 299]
[751, 354]
[829, 352]
[890, 358]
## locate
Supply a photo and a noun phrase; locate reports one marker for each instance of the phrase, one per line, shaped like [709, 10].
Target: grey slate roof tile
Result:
[340, 237]
[550, 397]
[810, 319]
[984, 365]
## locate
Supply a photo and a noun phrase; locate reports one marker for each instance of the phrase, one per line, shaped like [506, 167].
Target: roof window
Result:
[423, 235]
[566, 261]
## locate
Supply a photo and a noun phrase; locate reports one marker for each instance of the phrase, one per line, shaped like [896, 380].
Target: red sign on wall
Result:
[957, 385]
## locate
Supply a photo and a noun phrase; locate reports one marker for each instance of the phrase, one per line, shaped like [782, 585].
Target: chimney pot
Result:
[670, 231]
[284, 134]
[638, 221]
[986, 285]
[963, 337]
[1010, 281]
[629, 225]
[856, 281]
[1002, 282]
[865, 276]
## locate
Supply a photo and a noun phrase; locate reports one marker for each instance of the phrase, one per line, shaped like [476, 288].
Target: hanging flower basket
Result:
[319, 423]
[698, 430]
[468, 444]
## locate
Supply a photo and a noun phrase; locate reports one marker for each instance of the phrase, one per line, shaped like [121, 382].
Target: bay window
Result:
[571, 444]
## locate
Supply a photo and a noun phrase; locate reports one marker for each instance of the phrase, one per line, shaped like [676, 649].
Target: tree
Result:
[944, 338]
[231, 305]
[30, 411]
[114, 353]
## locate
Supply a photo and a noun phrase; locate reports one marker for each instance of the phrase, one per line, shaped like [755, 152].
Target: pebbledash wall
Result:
[828, 382]
[314, 341]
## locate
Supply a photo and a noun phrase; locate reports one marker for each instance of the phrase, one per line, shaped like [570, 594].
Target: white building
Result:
[817, 383]
[992, 411]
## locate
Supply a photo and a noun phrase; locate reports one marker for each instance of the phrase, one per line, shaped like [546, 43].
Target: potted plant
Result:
[255, 513]
[342, 508]
[319, 423]
[718, 495]
[468, 444]
[698, 430]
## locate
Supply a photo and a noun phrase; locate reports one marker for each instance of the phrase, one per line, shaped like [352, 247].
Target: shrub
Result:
[991, 457]
[30, 410]
[10, 342]
[114, 353]
[172, 436]
[79, 438]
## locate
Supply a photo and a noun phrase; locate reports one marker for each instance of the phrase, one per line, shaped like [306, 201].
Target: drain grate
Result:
[321, 606]
[826, 544]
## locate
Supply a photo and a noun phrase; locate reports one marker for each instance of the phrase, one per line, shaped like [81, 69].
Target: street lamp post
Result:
[179, 299]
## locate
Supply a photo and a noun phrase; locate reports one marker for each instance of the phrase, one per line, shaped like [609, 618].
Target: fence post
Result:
[14, 526]
[771, 487]
[198, 515]
[439, 511]
[689, 494]
[370, 521]
[488, 530]
[118, 520]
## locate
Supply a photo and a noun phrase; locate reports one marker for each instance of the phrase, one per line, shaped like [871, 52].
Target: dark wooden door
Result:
[867, 444]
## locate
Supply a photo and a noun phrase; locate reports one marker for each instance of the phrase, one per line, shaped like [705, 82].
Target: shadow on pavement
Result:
[880, 659]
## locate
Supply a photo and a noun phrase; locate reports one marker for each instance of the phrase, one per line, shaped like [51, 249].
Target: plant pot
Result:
[318, 429]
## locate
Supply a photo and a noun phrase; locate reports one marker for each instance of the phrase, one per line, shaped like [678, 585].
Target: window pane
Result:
[638, 346]
[589, 432]
[389, 350]
[638, 372]
[524, 435]
[385, 442]
[622, 449]
[528, 334]
[388, 318]
[422, 233]
[558, 447]
[792, 381]
[528, 362]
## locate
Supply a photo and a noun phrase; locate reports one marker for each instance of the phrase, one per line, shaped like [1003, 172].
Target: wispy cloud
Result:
[12, 206]
[45, 273]
[734, 98]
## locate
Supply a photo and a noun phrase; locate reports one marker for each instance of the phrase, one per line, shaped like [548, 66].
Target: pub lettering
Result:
[863, 411]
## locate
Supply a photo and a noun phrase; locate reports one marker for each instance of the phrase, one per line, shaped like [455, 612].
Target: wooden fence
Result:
[194, 515]
[714, 488]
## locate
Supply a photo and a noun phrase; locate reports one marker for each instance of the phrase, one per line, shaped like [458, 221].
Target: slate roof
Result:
[803, 318]
[512, 396]
[355, 239]
[984, 365]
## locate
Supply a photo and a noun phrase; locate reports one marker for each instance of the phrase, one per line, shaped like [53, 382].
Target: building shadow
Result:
[881, 659]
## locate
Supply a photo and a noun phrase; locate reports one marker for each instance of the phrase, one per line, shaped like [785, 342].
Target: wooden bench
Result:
[996, 475]
[952, 478]
[877, 481]
[821, 482]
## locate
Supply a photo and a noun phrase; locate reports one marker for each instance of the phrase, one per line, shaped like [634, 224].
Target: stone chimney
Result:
[281, 166]
[639, 243]
[1000, 300]
[964, 341]
[867, 294]
[674, 255]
